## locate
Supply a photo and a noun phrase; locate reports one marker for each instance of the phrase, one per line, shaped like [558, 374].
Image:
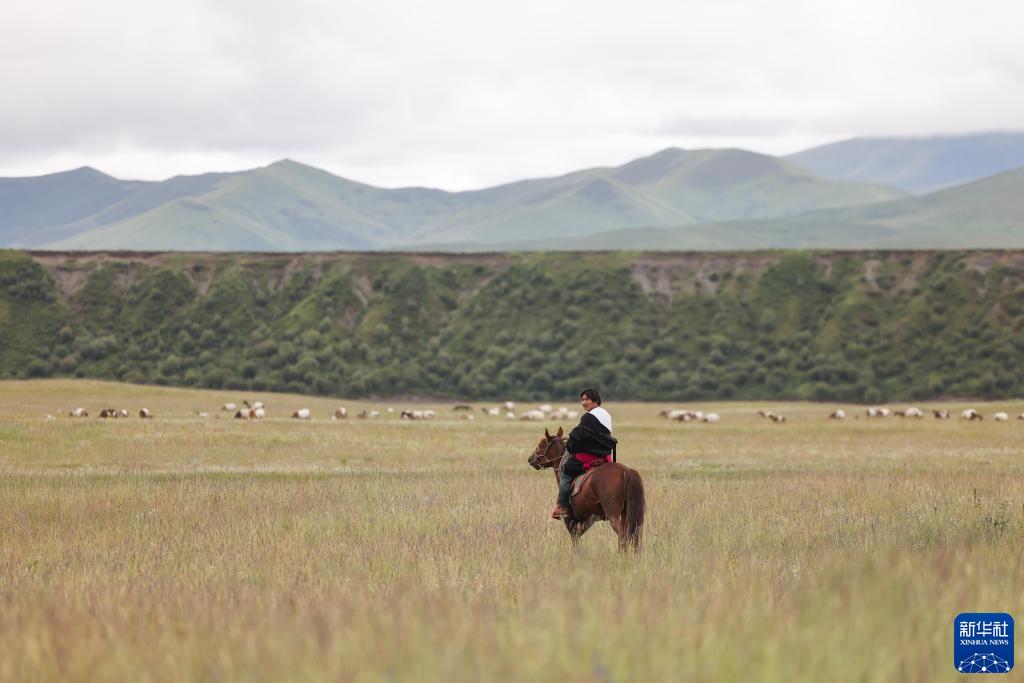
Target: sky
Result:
[463, 94]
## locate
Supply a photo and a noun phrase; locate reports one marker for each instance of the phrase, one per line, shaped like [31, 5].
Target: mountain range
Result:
[857, 193]
[917, 165]
[984, 214]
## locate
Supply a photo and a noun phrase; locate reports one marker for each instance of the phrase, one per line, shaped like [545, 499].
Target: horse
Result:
[613, 492]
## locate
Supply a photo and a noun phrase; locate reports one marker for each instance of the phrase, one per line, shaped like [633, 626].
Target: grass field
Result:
[183, 548]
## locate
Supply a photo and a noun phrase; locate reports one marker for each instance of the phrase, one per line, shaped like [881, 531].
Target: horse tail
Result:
[636, 506]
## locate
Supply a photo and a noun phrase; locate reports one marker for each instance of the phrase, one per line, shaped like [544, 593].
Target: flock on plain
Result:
[257, 410]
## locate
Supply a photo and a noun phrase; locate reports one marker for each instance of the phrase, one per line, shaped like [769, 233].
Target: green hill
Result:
[28, 204]
[985, 214]
[672, 187]
[851, 326]
[291, 207]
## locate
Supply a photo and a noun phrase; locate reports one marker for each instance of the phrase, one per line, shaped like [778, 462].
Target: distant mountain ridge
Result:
[28, 204]
[916, 164]
[288, 206]
[674, 199]
[987, 213]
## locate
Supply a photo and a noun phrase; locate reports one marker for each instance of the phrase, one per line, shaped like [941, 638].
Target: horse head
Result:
[548, 452]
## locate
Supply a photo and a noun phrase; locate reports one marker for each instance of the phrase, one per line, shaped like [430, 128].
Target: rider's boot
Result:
[560, 512]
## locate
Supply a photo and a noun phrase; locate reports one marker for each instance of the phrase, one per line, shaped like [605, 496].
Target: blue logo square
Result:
[983, 643]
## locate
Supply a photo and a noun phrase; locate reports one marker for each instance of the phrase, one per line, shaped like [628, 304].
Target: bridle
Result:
[540, 460]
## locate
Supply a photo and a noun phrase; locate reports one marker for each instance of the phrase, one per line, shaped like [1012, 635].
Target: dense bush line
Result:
[864, 327]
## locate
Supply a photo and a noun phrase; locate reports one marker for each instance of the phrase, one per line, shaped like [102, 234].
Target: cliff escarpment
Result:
[851, 326]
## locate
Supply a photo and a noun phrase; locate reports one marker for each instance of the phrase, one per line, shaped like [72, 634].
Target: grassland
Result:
[213, 549]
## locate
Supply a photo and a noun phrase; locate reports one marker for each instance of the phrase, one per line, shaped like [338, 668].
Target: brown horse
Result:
[613, 492]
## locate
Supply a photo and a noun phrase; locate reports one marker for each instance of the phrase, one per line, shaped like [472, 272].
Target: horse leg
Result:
[615, 512]
[622, 500]
[619, 527]
[572, 526]
[577, 529]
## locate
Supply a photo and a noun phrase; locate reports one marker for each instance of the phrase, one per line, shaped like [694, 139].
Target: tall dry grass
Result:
[188, 549]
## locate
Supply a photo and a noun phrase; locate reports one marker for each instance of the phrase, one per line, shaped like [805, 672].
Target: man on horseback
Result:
[590, 444]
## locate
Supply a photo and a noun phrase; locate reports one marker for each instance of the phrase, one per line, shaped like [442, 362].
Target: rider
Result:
[591, 441]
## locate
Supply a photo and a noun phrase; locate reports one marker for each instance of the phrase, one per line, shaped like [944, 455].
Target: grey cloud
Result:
[726, 126]
[474, 93]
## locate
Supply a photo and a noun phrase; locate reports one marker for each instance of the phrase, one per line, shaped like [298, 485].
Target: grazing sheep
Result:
[340, 413]
[711, 418]
[1000, 417]
[229, 407]
[79, 412]
[940, 414]
[838, 415]
[913, 412]
[971, 414]
[777, 418]
[301, 414]
[144, 413]
[533, 416]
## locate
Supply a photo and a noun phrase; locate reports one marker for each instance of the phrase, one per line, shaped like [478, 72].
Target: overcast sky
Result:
[462, 94]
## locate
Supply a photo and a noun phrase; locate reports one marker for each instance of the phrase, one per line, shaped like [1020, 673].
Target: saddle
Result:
[578, 482]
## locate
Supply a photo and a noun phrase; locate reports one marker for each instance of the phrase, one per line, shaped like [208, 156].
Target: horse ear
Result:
[546, 435]
[559, 432]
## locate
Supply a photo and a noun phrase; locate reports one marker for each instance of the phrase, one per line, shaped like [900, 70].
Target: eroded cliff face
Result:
[659, 274]
[844, 325]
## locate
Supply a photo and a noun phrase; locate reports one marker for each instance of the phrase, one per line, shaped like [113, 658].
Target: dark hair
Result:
[592, 395]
